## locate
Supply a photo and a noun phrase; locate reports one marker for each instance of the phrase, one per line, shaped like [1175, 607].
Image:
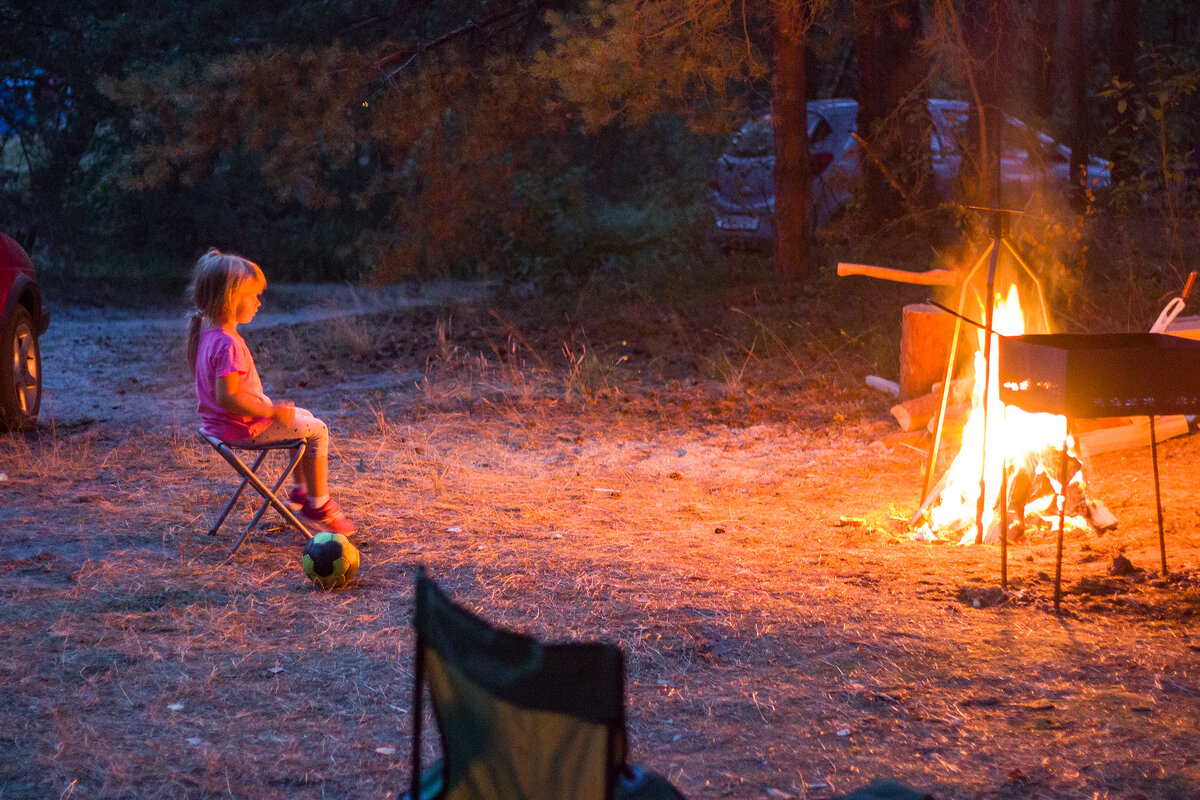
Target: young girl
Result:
[226, 290]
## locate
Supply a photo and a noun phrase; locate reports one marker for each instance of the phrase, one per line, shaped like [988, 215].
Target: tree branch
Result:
[469, 26]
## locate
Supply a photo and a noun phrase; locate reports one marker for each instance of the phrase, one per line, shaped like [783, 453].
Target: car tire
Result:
[20, 373]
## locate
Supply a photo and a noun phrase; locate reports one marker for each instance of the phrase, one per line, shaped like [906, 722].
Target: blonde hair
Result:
[217, 279]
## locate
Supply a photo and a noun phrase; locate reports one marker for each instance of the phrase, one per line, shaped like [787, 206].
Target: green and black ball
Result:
[330, 560]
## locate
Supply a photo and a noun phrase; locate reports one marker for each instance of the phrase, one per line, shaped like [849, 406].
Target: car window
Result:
[754, 138]
[820, 131]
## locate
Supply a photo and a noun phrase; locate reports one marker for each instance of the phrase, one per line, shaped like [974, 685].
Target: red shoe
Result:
[297, 499]
[327, 518]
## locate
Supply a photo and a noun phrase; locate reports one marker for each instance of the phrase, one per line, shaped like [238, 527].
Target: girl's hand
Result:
[284, 411]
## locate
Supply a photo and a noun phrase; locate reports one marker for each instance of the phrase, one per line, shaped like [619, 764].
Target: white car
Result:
[742, 197]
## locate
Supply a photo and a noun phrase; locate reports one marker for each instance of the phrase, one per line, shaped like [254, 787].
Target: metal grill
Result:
[1100, 375]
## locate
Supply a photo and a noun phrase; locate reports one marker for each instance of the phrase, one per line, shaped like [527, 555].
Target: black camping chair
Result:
[887, 789]
[520, 720]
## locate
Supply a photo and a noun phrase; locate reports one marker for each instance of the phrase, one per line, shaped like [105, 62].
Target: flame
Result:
[1012, 435]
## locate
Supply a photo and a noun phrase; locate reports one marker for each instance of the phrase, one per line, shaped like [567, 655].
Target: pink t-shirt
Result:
[222, 354]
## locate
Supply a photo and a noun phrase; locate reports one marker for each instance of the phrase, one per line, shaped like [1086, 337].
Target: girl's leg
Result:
[320, 511]
[314, 466]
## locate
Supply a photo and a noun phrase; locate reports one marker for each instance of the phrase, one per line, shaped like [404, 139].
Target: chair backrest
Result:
[518, 719]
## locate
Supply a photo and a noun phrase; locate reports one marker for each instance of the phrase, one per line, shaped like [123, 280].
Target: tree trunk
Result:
[1124, 68]
[793, 183]
[1045, 36]
[893, 118]
[1077, 88]
[984, 24]
[877, 195]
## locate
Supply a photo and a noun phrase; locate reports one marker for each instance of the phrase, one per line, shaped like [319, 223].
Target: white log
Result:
[883, 385]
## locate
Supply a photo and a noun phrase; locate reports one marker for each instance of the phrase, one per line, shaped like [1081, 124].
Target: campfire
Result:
[1011, 455]
[1013, 463]
[1019, 465]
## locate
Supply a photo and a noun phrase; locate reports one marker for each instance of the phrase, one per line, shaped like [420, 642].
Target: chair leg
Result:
[263, 490]
[297, 454]
[418, 701]
[233, 500]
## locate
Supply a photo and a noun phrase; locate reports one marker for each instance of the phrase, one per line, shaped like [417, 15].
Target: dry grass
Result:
[690, 513]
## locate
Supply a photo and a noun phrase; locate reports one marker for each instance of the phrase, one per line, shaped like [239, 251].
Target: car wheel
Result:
[20, 373]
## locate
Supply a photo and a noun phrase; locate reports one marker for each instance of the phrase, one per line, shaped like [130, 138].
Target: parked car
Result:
[742, 197]
[22, 321]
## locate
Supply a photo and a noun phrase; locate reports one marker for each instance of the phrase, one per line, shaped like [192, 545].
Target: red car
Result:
[22, 321]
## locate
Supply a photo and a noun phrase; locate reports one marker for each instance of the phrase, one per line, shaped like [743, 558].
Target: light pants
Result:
[313, 431]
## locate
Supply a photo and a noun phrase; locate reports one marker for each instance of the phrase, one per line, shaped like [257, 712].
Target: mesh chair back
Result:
[519, 719]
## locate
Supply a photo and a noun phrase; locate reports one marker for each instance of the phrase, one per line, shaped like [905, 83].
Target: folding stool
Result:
[250, 476]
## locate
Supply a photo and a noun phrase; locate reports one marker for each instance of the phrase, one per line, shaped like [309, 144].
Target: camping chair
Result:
[520, 720]
[250, 476]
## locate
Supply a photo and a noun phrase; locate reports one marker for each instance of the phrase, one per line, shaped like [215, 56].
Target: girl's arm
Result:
[231, 398]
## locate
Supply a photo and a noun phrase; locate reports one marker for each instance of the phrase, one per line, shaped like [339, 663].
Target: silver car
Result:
[742, 197]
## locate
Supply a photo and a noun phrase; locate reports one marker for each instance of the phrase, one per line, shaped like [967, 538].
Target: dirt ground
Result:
[734, 516]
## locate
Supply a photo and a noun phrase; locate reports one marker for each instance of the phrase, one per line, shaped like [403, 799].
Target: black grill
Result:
[1100, 375]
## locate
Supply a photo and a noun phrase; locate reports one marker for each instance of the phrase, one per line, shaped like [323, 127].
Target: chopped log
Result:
[925, 336]
[1101, 518]
[961, 387]
[955, 413]
[1083, 426]
[1136, 434]
[915, 414]
[883, 385]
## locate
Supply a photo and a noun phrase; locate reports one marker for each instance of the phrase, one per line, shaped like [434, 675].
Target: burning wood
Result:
[1020, 468]
[1026, 498]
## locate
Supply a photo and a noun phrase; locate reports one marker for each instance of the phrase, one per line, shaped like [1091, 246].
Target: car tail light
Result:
[817, 162]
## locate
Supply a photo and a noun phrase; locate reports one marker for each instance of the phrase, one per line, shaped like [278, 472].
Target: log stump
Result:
[925, 335]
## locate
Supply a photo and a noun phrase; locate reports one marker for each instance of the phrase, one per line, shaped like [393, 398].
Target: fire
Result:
[1021, 439]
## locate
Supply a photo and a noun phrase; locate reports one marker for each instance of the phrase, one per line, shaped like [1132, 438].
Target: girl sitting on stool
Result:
[226, 290]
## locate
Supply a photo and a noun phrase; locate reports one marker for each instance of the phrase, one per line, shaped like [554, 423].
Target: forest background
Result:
[561, 140]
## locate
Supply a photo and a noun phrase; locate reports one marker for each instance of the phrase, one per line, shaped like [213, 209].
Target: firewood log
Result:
[1136, 434]
[915, 414]
[883, 385]
[926, 333]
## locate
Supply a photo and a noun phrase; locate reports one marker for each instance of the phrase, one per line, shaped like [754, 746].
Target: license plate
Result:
[737, 222]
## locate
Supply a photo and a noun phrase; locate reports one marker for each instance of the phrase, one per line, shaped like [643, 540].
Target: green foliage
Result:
[347, 139]
[629, 60]
[381, 138]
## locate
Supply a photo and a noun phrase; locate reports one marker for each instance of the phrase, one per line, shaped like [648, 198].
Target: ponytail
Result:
[193, 338]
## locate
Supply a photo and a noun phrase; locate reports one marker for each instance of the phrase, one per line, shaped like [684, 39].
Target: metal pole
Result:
[987, 381]
[995, 124]
[1062, 516]
[1004, 524]
[1162, 543]
[939, 420]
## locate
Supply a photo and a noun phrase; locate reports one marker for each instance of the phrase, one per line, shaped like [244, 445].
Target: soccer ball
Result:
[330, 560]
